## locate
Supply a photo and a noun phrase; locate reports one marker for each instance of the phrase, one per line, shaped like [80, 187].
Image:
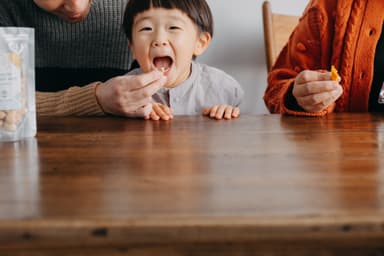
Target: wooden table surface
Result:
[259, 185]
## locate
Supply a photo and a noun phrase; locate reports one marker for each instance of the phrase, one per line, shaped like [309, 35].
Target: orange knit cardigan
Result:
[343, 33]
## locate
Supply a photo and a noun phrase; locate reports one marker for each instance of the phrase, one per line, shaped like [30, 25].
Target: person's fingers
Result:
[139, 81]
[314, 99]
[160, 112]
[206, 111]
[167, 110]
[220, 112]
[228, 112]
[236, 112]
[146, 91]
[307, 76]
[213, 111]
[300, 90]
[154, 116]
[319, 101]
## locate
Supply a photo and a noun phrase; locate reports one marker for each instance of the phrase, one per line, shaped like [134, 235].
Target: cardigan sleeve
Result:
[304, 51]
[75, 101]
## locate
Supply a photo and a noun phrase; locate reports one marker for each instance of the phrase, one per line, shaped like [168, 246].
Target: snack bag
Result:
[17, 83]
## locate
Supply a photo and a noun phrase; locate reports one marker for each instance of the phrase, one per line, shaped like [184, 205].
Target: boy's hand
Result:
[160, 112]
[222, 111]
[314, 91]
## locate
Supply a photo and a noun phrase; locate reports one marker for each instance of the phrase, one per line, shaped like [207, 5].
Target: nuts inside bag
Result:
[17, 84]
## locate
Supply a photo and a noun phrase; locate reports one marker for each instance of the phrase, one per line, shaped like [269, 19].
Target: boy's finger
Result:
[154, 116]
[236, 112]
[213, 111]
[206, 111]
[168, 111]
[228, 112]
[220, 112]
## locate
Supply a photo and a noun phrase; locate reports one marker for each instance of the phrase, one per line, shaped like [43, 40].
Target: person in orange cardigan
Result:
[344, 33]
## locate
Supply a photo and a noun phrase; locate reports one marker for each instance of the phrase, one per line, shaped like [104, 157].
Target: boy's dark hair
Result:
[197, 10]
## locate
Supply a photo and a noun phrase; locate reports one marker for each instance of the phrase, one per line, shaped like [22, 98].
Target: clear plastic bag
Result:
[17, 83]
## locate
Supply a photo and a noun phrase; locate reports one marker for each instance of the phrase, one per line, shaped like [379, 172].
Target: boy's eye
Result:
[145, 29]
[174, 27]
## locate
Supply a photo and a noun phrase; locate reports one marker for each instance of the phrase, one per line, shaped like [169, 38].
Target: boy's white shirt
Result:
[206, 86]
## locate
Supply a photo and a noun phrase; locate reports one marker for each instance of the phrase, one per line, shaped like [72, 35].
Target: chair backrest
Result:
[277, 29]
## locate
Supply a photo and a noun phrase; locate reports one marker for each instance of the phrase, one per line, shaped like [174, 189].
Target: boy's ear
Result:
[202, 43]
[131, 49]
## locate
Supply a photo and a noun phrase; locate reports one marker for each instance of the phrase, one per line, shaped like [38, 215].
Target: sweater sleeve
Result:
[304, 51]
[75, 101]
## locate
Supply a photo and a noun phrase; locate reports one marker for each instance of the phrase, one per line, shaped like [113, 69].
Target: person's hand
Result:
[130, 95]
[160, 112]
[314, 91]
[222, 111]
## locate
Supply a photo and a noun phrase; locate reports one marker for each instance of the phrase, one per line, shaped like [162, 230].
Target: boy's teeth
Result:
[163, 69]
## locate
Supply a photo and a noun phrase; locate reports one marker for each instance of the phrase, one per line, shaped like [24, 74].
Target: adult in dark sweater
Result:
[81, 57]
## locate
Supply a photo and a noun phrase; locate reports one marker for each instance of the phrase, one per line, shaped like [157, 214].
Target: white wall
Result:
[238, 44]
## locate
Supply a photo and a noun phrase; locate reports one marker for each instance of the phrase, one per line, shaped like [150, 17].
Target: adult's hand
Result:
[130, 95]
[314, 91]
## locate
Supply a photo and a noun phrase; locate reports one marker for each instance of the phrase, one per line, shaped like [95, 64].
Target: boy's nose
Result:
[159, 43]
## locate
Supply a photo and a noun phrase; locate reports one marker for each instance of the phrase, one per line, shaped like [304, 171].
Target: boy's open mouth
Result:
[163, 63]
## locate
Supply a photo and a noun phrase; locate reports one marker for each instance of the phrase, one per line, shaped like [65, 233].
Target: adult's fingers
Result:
[146, 91]
[319, 101]
[300, 90]
[307, 76]
[139, 81]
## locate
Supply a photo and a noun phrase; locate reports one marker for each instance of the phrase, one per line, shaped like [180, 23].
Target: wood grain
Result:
[266, 181]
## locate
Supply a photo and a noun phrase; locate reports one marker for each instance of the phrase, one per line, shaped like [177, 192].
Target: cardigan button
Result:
[301, 47]
[372, 32]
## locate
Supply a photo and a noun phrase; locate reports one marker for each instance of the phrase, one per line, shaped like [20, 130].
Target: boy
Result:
[168, 35]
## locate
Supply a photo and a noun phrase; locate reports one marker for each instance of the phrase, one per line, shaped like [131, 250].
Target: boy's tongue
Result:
[162, 63]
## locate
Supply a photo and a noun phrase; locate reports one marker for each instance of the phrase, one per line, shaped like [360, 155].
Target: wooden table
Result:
[259, 185]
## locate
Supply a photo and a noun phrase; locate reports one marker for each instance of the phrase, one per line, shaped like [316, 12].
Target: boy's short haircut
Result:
[197, 10]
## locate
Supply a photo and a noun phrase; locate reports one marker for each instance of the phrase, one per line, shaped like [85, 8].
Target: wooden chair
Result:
[277, 29]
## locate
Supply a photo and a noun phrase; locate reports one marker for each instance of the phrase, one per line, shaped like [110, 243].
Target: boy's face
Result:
[167, 39]
[69, 10]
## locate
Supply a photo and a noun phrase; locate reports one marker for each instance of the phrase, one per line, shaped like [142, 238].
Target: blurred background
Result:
[238, 44]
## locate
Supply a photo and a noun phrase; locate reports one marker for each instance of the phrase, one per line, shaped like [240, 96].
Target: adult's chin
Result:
[73, 18]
